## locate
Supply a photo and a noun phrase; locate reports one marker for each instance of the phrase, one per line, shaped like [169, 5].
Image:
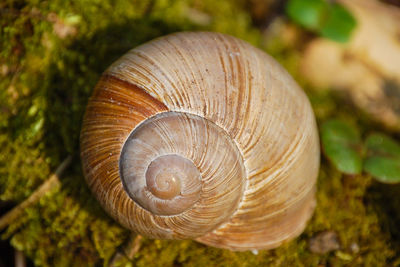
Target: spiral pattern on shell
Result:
[202, 136]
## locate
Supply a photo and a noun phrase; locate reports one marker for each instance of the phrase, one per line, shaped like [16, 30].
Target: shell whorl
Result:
[201, 135]
[178, 145]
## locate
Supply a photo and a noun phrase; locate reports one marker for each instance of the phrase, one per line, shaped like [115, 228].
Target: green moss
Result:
[52, 54]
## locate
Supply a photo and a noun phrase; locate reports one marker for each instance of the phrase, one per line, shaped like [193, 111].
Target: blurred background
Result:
[345, 54]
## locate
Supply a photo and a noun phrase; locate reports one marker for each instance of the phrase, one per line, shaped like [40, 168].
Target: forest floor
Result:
[51, 56]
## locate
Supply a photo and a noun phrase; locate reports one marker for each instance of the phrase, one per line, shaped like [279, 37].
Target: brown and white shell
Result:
[202, 136]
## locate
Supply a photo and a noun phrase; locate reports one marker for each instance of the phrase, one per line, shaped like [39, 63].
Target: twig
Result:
[133, 247]
[128, 250]
[49, 184]
[19, 259]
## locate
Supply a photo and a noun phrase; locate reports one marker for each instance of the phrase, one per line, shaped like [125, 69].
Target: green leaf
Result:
[341, 144]
[307, 13]
[382, 144]
[383, 160]
[330, 20]
[338, 25]
[383, 169]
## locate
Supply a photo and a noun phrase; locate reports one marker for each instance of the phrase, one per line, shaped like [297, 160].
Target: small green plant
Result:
[383, 158]
[342, 144]
[330, 20]
[378, 155]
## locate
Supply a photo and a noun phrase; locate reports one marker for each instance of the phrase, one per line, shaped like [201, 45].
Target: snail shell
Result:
[202, 136]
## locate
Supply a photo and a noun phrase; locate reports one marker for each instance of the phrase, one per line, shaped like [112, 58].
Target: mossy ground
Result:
[51, 55]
